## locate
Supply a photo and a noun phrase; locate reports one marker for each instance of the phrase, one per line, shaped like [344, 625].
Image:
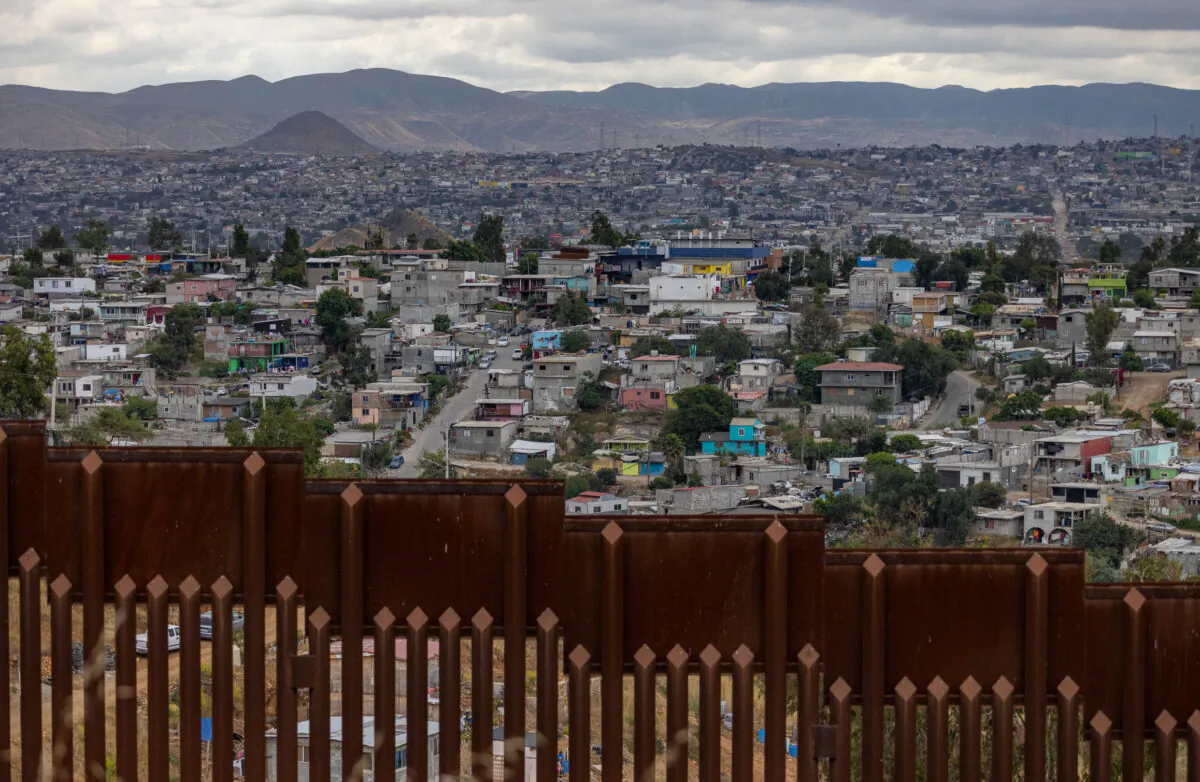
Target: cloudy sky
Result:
[566, 44]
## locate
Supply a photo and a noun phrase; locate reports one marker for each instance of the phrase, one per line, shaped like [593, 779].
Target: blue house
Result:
[745, 436]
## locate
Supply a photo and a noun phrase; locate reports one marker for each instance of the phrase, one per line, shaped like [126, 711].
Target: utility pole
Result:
[446, 459]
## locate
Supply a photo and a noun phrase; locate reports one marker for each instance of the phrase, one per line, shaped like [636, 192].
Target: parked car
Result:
[143, 640]
[963, 410]
[1158, 368]
[206, 624]
[1161, 527]
[516, 354]
[491, 340]
[485, 364]
[397, 462]
[503, 342]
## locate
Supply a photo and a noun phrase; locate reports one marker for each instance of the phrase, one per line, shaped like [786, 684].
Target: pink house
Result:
[501, 409]
[197, 290]
[642, 398]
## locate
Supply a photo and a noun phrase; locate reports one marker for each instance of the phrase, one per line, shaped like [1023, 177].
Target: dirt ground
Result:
[1143, 389]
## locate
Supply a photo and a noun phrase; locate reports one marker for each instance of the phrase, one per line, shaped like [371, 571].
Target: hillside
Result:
[392, 110]
[310, 132]
[396, 228]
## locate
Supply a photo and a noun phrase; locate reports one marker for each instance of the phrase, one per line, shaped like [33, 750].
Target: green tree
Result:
[1153, 567]
[432, 243]
[1168, 419]
[673, 450]
[952, 515]
[1102, 537]
[64, 258]
[1033, 250]
[905, 443]
[644, 346]
[1100, 324]
[538, 467]
[839, 510]
[51, 238]
[527, 264]
[333, 308]
[1037, 369]
[807, 377]
[574, 340]
[464, 251]
[987, 494]
[27, 368]
[441, 323]
[590, 394]
[432, 465]
[1110, 252]
[604, 233]
[606, 477]
[141, 409]
[926, 367]
[94, 238]
[489, 236]
[173, 348]
[992, 283]
[880, 404]
[816, 330]
[1063, 416]
[1131, 362]
[960, 343]
[34, 257]
[287, 428]
[109, 425]
[698, 410]
[290, 262]
[1145, 299]
[235, 434]
[241, 242]
[771, 286]
[571, 310]
[724, 343]
[164, 235]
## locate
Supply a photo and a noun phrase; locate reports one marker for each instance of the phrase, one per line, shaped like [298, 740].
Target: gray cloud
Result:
[568, 44]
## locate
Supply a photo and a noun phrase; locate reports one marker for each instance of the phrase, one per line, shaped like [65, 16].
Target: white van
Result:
[143, 640]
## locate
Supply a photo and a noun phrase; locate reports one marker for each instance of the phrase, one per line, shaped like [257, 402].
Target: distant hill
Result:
[396, 228]
[310, 132]
[392, 110]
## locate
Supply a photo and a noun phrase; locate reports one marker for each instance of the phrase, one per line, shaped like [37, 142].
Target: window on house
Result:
[989, 524]
[303, 753]
[366, 411]
[849, 377]
[1037, 514]
[654, 395]
[491, 432]
[402, 758]
[66, 283]
[987, 477]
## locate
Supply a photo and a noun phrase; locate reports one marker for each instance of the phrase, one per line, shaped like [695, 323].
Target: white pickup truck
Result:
[143, 640]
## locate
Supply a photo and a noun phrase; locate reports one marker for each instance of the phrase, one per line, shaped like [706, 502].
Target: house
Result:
[257, 355]
[547, 427]
[1176, 282]
[857, 383]
[930, 308]
[524, 450]
[1078, 392]
[126, 313]
[278, 384]
[223, 408]
[499, 409]
[370, 759]
[1080, 493]
[1070, 451]
[206, 287]
[401, 404]
[482, 438]
[597, 502]
[1053, 523]
[555, 379]
[745, 436]
[1004, 523]
[1156, 347]
[756, 374]
[63, 286]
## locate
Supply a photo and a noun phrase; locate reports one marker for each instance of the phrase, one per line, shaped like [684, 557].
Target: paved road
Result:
[458, 407]
[960, 390]
[1062, 229]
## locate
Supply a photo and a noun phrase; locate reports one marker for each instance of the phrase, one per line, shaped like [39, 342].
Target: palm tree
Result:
[672, 448]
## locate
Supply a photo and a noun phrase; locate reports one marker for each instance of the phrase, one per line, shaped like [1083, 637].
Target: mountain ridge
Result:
[399, 111]
[310, 132]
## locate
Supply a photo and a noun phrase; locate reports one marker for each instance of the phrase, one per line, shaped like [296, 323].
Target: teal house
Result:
[745, 436]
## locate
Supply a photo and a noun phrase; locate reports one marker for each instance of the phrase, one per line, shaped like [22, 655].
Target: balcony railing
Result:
[877, 647]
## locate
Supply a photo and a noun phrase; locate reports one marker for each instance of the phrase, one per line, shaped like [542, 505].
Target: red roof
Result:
[860, 366]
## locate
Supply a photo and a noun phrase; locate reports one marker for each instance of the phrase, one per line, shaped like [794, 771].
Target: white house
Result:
[105, 352]
[277, 384]
[63, 286]
[597, 502]
[336, 739]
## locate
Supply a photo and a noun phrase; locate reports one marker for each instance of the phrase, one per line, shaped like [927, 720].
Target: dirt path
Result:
[1143, 389]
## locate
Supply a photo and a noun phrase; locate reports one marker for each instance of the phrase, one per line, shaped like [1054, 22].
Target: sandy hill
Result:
[396, 228]
[312, 133]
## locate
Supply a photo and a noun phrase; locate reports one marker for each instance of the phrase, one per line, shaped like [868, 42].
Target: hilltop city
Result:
[929, 345]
